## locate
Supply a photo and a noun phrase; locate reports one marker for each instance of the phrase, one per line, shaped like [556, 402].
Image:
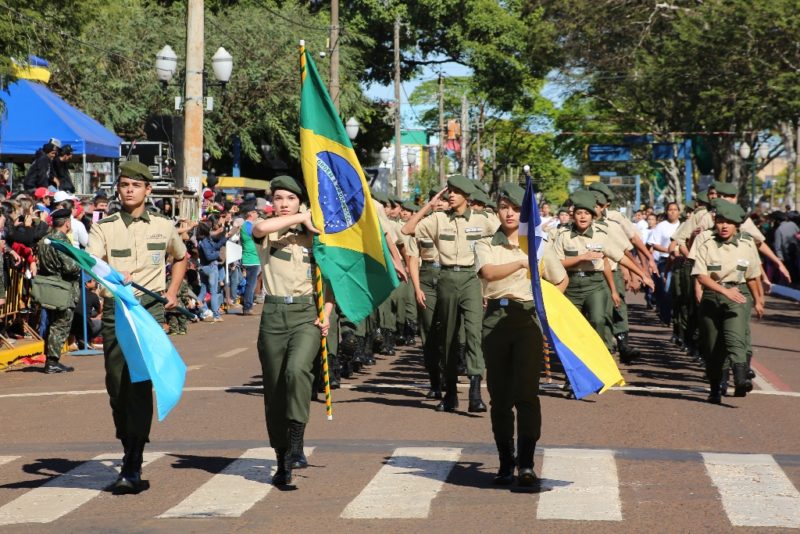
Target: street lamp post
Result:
[351, 127]
[761, 155]
[411, 157]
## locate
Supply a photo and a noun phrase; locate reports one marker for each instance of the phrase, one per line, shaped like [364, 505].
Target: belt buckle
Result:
[503, 302]
[581, 274]
[436, 265]
[456, 268]
[288, 300]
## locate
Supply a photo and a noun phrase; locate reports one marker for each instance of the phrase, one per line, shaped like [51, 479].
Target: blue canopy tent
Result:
[33, 114]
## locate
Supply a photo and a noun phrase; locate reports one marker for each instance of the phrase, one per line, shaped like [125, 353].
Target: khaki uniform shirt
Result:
[628, 228]
[138, 246]
[617, 236]
[425, 244]
[455, 236]
[684, 231]
[570, 243]
[386, 225]
[550, 267]
[286, 262]
[733, 261]
[498, 251]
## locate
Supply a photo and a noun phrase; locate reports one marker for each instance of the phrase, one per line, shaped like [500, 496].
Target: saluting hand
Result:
[308, 223]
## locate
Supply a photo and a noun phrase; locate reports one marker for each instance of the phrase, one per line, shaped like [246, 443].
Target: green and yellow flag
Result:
[351, 250]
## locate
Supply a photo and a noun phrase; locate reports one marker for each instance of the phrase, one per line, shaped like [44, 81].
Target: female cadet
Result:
[727, 265]
[290, 332]
[583, 248]
[512, 341]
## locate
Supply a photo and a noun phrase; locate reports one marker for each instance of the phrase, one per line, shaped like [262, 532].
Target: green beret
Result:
[410, 206]
[691, 204]
[434, 190]
[380, 196]
[479, 196]
[729, 211]
[63, 213]
[714, 184]
[135, 171]
[726, 188]
[512, 192]
[491, 204]
[462, 183]
[583, 199]
[600, 197]
[287, 183]
[703, 197]
[563, 209]
[603, 188]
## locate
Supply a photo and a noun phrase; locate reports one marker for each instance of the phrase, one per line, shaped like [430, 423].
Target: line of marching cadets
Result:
[469, 292]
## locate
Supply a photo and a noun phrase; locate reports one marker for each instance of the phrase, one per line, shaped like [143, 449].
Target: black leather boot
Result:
[525, 475]
[411, 333]
[365, 353]
[505, 474]
[283, 476]
[399, 337]
[750, 373]
[475, 401]
[129, 481]
[723, 383]
[388, 343]
[378, 341]
[714, 395]
[297, 457]
[626, 353]
[436, 386]
[462, 360]
[742, 384]
[334, 371]
[450, 401]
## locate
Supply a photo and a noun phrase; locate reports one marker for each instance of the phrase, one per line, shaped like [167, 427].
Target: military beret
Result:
[603, 188]
[691, 204]
[286, 183]
[729, 211]
[135, 171]
[434, 190]
[479, 196]
[462, 183]
[63, 213]
[410, 206]
[726, 188]
[563, 209]
[583, 199]
[702, 197]
[714, 184]
[600, 197]
[380, 196]
[513, 192]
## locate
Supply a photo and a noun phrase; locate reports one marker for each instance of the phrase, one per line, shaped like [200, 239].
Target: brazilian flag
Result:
[350, 250]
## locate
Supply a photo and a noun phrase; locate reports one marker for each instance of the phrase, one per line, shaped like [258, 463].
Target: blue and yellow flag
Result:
[351, 249]
[586, 360]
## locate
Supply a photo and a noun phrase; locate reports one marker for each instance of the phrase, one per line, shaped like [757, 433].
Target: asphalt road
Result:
[651, 457]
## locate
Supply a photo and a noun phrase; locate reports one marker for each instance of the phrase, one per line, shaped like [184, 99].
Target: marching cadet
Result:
[290, 332]
[479, 202]
[411, 312]
[62, 269]
[728, 267]
[584, 250]
[512, 341]
[384, 317]
[424, 268]
[458, 296]
[136, 243]
[628, 238]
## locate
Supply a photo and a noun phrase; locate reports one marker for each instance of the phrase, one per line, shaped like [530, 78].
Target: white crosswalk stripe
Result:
[404, 487]
[754, 489]
[583, 486]
[234, 490]
[66, 492]
[7, 459]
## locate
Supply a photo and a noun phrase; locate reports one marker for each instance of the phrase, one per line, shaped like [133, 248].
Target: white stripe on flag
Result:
[66, 492]
[584, 486]
[406, 485]
[755, 491]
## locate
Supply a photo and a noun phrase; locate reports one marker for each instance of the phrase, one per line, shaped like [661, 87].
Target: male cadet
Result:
[409, 326]
[424, 268]
[455, 234]
[59, 266]
[137, 244]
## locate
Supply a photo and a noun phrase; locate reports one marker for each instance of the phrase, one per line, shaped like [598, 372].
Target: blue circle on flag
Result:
[341, 194]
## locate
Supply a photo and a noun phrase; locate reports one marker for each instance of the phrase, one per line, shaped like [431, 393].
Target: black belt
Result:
[272, 299]
[732, 284]
[583, 274]
[509, 304]
[458, 268]
[431, 264]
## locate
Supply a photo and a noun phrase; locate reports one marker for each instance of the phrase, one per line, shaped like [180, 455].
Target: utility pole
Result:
[464, 136]
[494, 156]
[442, 134]
[791, 189]
[398, 162]
[478, 173]
[333, 86]
[193, 103]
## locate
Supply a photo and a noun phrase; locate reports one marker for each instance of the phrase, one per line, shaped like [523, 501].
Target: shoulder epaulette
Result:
[110, 218]
[601, 230]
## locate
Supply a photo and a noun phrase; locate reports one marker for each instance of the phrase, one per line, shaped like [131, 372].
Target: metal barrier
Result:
[13, 315]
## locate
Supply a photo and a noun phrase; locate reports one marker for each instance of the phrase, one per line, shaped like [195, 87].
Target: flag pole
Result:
[163, 300]
[325, 371]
